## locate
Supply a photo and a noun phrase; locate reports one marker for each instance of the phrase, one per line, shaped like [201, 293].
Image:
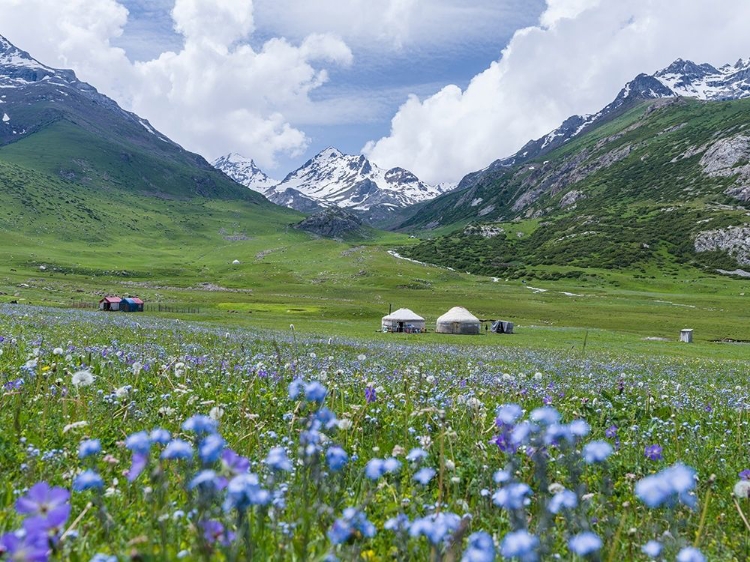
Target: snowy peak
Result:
[244, 171]
[332, 178]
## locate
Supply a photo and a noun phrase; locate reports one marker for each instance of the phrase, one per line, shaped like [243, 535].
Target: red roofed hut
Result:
[131, 304]
[110, 303]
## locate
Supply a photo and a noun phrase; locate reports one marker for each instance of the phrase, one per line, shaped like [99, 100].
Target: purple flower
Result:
[745, 474]
[205, 479]
[504, 439]
[667, 486]
[653, 452]
[31, 547]
[41, 499]
[137, 464]
[611, 432]
[370, 394]
[161, 436]
[375, 468]
[545, 415]
[416, 454]
[87, 480]
[214, 532]
[585, 543]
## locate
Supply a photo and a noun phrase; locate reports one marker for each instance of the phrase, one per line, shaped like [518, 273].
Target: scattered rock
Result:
[331, 223]
[734, 240]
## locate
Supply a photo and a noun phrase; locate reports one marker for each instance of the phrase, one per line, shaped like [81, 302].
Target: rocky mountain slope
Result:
[332, 178]
[655, 177]
[54, 123]
[244, 171]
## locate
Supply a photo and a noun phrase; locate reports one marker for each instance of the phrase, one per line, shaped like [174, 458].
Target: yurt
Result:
[458, 320]
[403, 320]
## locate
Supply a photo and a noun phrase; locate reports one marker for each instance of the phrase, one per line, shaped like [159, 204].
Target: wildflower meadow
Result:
[136, 438]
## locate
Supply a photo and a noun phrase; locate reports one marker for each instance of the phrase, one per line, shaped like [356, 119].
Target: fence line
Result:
[148, 307]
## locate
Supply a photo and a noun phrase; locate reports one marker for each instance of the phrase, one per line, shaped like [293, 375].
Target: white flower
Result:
[83, 377]
[216, 413]
[122, 392]
[57, 351]
[450, 465]
[361, 357]
[137, 368]
[537, 376]
[430, 379]
[742, 489]
[75, 425]
[345, 424]
[425, 441]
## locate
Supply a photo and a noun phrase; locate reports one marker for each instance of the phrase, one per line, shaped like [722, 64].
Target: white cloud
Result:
[574, 61]
[216, 94]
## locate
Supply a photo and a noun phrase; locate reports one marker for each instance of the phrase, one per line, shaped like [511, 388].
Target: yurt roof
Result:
[403, 315]
[458, 314]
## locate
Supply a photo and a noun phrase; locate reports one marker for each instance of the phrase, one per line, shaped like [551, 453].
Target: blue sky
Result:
[439, 87]
[384, 75]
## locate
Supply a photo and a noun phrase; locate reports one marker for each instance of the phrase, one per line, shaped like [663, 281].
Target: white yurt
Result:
[457, 320]
[403, 320]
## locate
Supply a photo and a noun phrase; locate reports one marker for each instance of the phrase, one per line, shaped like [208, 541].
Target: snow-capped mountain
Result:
[681, 78]
[335, 179]
[24, 80]
[245, 172]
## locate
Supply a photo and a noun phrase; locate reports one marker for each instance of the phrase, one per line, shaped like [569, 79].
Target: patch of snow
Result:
[5, 118]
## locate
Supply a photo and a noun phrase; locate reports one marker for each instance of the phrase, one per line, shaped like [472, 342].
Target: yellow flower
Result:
[370, 556]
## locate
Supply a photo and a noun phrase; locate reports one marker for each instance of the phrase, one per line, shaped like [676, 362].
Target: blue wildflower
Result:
[138, 442]
[508, 414]
[99, 557]
[277, 459]
[562, 500]
[210, 448]
[667, 486]
[513, 496]
[200, 424]
[161, 436]
[652, 548]
[596, 451]
[89, 447]
[481, 548]
[585, 543]
[244, 491]
[336, 458]
[416, 454]
[177, 449]
[690, 554]
[352, 525]
[546, 415]
[87, 480]
[315, 392]
[436, 527]
[521, 545]
[205, 479]
[424, 475]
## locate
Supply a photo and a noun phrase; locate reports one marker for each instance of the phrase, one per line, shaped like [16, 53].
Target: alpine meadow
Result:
[546, 360]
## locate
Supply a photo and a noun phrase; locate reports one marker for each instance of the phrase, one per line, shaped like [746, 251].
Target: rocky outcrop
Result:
[333, 222]
[730, 157]
[734, 240]
[570, 198]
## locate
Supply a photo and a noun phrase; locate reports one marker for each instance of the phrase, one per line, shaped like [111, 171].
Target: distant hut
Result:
[457, 320]
[502, 327]
[403, 320]
[110, 303]
[131, 304]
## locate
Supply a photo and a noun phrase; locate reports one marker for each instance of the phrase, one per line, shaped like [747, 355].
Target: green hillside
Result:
[632, 194]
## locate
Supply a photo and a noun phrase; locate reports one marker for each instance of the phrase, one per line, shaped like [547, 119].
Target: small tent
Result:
[502, 327]
[403, 320]
[457, 320]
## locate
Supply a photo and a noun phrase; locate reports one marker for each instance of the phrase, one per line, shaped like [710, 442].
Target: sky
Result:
[439, 87]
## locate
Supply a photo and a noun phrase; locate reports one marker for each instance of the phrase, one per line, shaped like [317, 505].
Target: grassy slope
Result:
[94, 238]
